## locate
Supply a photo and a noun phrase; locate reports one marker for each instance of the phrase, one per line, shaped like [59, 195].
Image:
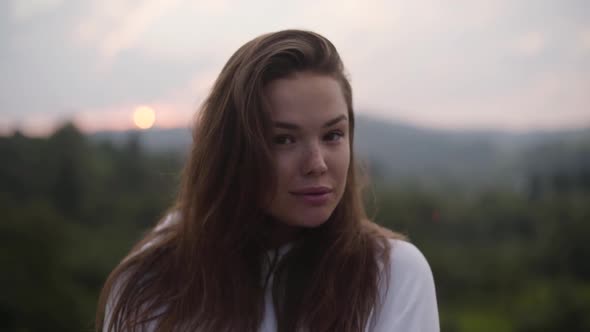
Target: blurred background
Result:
[473, 122]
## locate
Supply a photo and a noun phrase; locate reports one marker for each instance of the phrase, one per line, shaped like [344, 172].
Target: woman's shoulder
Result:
[404, 258]
[408, 295]
[407, 261]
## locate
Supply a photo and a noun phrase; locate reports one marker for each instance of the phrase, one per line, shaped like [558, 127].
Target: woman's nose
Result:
[314, 161]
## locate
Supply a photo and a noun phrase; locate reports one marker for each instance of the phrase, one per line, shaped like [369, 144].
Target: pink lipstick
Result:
[315, 196]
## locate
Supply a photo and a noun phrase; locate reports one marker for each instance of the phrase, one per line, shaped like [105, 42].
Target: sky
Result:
[514, 65]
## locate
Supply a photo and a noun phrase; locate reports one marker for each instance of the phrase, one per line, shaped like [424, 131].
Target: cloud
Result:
[552, 100]
[129, 31]
[117, 26]
[23, 10]
[530, 44]
[584, 40]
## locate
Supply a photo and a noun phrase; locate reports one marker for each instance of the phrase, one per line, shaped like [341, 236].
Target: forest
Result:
[503, 260]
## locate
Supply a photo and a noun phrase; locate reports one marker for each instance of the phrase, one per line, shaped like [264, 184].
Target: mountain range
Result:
[399, 153]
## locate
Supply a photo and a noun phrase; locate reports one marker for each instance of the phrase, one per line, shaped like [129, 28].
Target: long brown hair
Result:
[205, 270]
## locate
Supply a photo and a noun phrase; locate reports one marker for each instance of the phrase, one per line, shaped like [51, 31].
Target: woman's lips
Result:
[315, 196]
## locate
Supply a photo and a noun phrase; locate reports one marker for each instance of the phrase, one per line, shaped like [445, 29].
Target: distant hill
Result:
[175, 140]
[399, 153]
[471, 159]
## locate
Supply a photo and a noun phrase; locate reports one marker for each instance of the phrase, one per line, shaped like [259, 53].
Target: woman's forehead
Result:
[306, 97]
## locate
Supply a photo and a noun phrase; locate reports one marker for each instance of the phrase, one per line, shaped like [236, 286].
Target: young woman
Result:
[269, 231]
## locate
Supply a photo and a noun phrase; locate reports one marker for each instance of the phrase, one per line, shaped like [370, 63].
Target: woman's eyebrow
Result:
[292, 126]
[335, 121]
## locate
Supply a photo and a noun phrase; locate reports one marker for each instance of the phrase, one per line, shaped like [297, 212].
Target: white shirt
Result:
[410, 303]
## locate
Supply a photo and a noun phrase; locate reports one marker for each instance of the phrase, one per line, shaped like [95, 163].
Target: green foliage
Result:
[502, 260]
[71, 210]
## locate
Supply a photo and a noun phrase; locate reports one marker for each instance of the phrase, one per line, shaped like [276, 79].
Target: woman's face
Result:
[311, 147]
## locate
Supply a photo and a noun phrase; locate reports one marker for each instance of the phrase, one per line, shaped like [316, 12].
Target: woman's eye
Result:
[334, 135]
[283, 140]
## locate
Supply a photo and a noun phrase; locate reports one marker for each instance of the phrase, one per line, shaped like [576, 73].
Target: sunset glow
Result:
[448, 67]
[144, 117]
